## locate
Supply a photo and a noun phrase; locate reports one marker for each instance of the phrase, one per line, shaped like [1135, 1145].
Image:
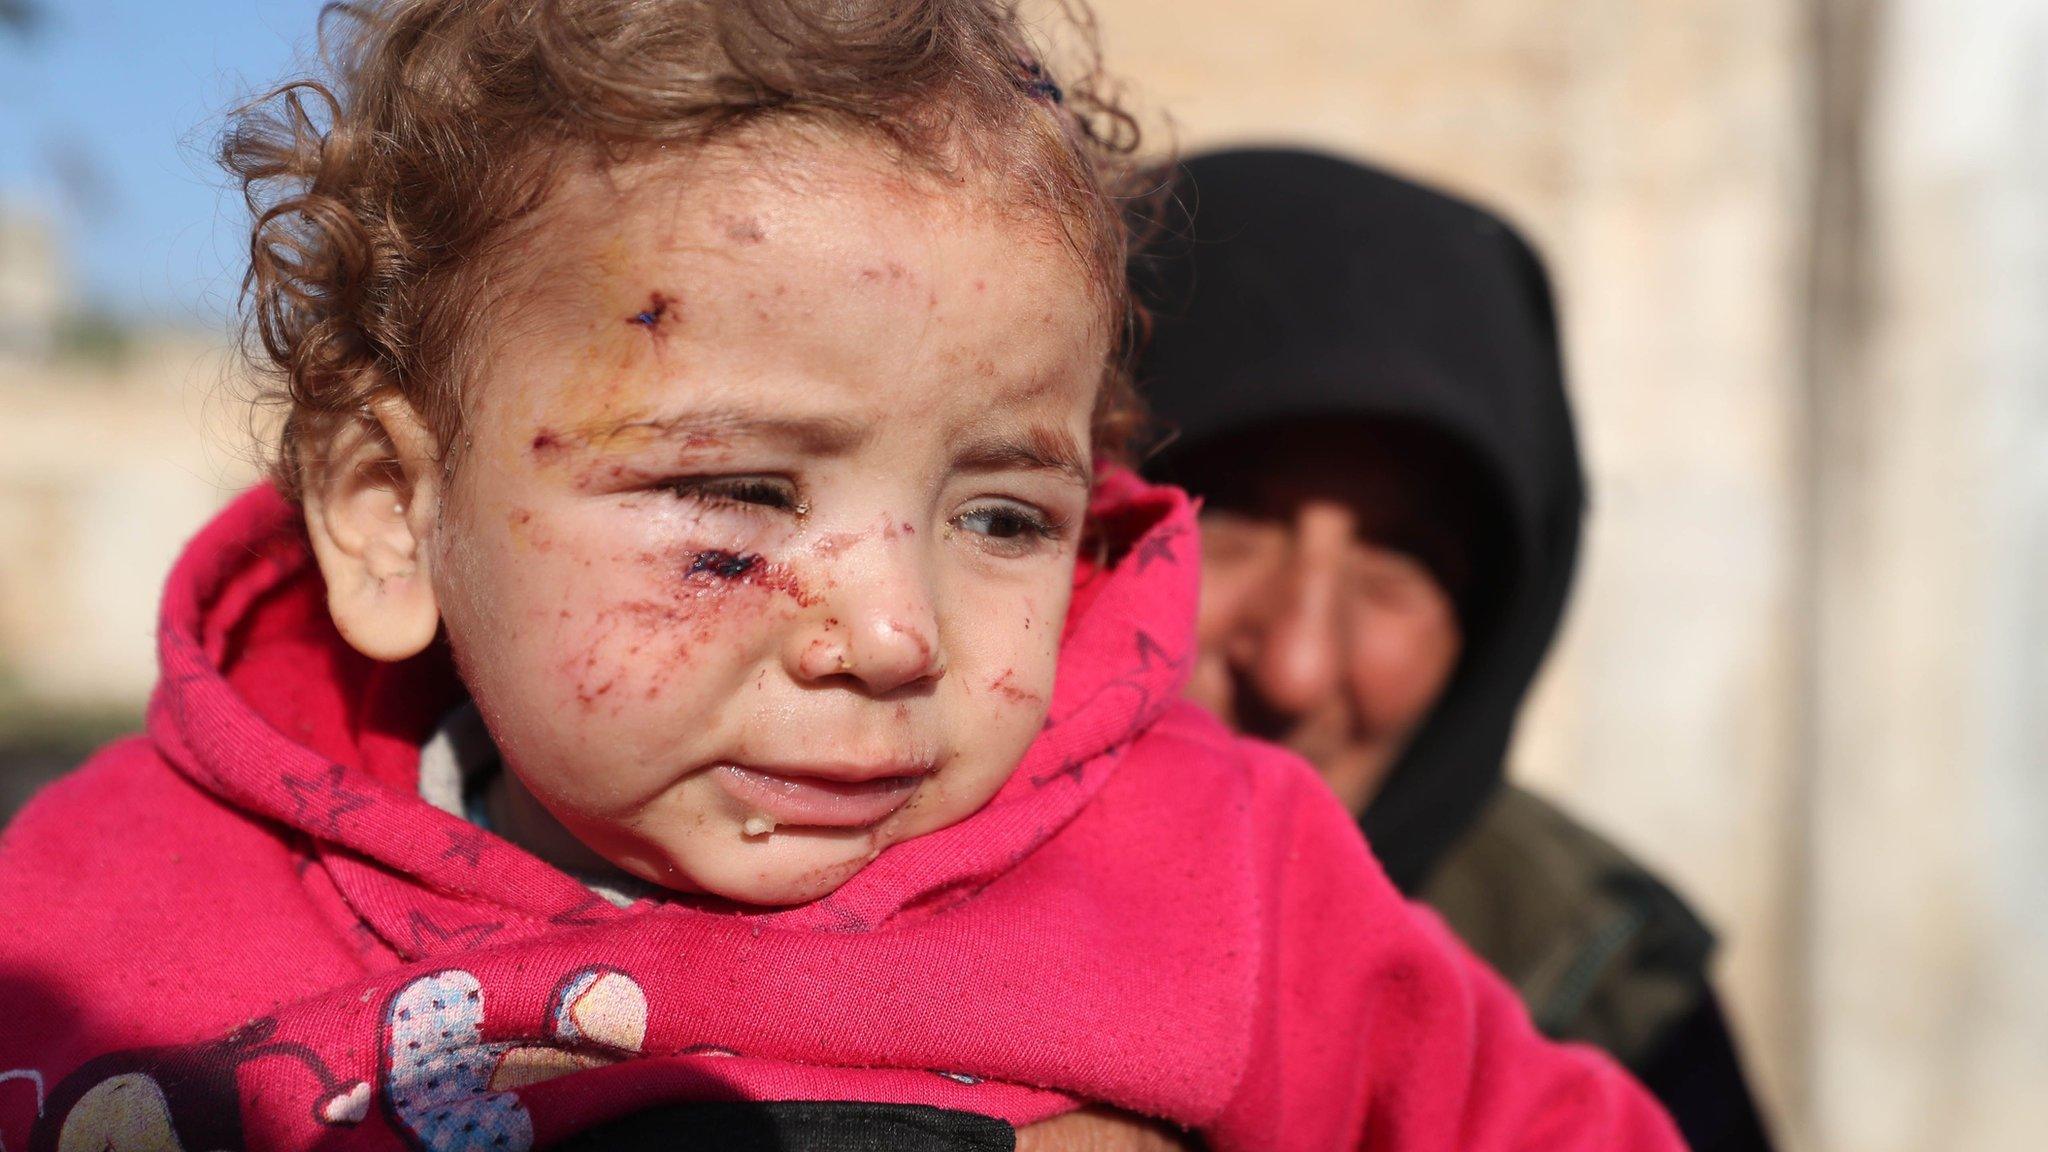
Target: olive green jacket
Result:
[1600, 950]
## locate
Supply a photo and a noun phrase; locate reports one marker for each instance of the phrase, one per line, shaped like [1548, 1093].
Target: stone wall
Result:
[107, 465]
[1927, 965]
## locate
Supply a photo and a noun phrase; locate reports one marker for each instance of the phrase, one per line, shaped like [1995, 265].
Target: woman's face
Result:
[760, 543]
[1322, 625]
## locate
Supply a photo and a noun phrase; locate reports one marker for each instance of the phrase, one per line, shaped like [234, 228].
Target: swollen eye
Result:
[761, 493]
[758, 492]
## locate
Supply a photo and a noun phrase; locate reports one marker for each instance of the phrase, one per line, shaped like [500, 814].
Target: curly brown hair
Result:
[382, 190]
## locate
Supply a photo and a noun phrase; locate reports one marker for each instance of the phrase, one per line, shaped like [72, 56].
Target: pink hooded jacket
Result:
[246, 928]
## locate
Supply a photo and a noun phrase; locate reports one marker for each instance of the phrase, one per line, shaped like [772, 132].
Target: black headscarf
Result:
[1288, 285]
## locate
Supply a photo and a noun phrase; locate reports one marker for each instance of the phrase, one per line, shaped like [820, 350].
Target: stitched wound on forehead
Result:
[657, 309]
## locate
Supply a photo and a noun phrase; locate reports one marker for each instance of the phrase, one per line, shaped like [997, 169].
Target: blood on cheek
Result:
[714, 573]
[695, 599]
[1003, 687]
[724, 565]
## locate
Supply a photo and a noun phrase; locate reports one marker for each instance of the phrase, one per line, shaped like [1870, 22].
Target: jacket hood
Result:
[263, 704]
[1295, 286]
[250, 931]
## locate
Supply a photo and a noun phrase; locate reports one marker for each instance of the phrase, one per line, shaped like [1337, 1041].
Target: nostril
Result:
[884, 654]
[825, 654]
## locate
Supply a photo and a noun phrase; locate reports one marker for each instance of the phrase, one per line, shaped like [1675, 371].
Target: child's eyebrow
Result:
[815, 435]
[1037, 449]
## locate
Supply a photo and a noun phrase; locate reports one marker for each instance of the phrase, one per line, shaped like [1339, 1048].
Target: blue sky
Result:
[108, 114]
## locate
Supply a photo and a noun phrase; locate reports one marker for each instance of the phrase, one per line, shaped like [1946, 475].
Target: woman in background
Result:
[1361, 379]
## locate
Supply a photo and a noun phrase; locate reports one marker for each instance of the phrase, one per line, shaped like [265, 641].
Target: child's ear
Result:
[370, 498]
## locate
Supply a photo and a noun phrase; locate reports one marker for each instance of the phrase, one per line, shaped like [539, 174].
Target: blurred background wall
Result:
[1802, 250]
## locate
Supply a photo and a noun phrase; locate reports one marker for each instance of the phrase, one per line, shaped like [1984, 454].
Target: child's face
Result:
[767, 513]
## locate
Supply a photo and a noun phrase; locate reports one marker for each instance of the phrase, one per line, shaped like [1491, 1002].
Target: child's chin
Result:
[785, 868]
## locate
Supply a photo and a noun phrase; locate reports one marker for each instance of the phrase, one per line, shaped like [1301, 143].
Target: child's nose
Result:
[875, 626]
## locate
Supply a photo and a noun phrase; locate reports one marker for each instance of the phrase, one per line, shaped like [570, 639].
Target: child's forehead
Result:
[712, 212]
[703, 235]
[741, 190]
[728, 276]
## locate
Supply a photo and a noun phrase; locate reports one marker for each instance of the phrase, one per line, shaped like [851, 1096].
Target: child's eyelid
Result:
[1040, 521]
[737, 490]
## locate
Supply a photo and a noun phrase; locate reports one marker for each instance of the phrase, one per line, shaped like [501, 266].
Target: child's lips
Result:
[849, 798]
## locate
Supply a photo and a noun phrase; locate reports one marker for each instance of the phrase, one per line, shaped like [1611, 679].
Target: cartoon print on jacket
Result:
[179, 1097]
[445, 1087]
[450, 1090]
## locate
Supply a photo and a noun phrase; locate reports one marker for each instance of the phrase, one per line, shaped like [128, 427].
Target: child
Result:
[641, 687]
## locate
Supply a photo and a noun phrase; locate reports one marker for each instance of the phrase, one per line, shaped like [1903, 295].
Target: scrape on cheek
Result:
[728, 565]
